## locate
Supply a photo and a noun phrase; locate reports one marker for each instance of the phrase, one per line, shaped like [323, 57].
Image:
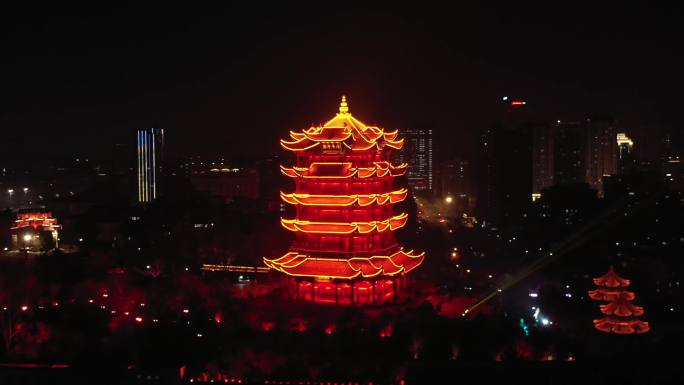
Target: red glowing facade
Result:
[345, 249]
[28, 226]
[619, 314]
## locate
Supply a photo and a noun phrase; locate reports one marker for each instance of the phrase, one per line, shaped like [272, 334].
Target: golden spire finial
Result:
[344, 109]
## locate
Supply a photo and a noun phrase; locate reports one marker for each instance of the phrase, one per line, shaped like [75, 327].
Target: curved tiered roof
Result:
[621, 326]
[609, 294]
[344, 170]
[344, 200]
[301, 265]
[393, 223]
[611, 279]
[620, 313]
[345, 129]
[621, 307]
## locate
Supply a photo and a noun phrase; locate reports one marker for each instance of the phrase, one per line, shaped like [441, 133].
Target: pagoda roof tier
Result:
[609, 294]
[611, 279]
[36, 219]
[344, 200]
[341, 170]
[345, 129]
[392, 223]
[621, 325]
[301, 265]
[621, 307]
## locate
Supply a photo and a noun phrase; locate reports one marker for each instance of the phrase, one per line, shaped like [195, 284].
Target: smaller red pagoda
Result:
[620, 314]
[609, 286]
[29, 225]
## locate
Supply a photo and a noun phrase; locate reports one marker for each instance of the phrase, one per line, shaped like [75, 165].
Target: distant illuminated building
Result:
[569, 153]
[601, 153]
[507, 177]
[35, 230]
[227, 182]
[149, 166]
[344, 249]
[626, 159]
[454, 183]
[418, 153]
[542, 159]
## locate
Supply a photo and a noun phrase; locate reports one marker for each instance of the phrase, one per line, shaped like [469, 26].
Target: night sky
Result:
[232, 81]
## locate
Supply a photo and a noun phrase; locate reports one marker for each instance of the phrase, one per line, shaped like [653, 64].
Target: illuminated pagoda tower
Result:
[610, 286]
[345, 250]
[619, 314]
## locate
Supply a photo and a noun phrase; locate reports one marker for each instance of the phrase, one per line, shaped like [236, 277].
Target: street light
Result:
[448, 199]
[27, 238]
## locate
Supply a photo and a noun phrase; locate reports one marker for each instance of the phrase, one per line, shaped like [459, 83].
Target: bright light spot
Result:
[490, 276]
[448, 199]
[24, 307]
[90, 301]
[533, 295]
[504, 98]
[467, 270]
[138, 319]
[186, 311]
[80, 239]
[148, 266]
[545, 321]
[105, 295]
[569, 295]
[199, 335]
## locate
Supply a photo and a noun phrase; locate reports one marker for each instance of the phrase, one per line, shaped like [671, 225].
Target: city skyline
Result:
[282, 194]
[211, 94]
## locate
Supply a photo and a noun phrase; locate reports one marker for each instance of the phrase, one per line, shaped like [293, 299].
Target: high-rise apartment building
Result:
[601, 153]
[149, 165]
[419, 154]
